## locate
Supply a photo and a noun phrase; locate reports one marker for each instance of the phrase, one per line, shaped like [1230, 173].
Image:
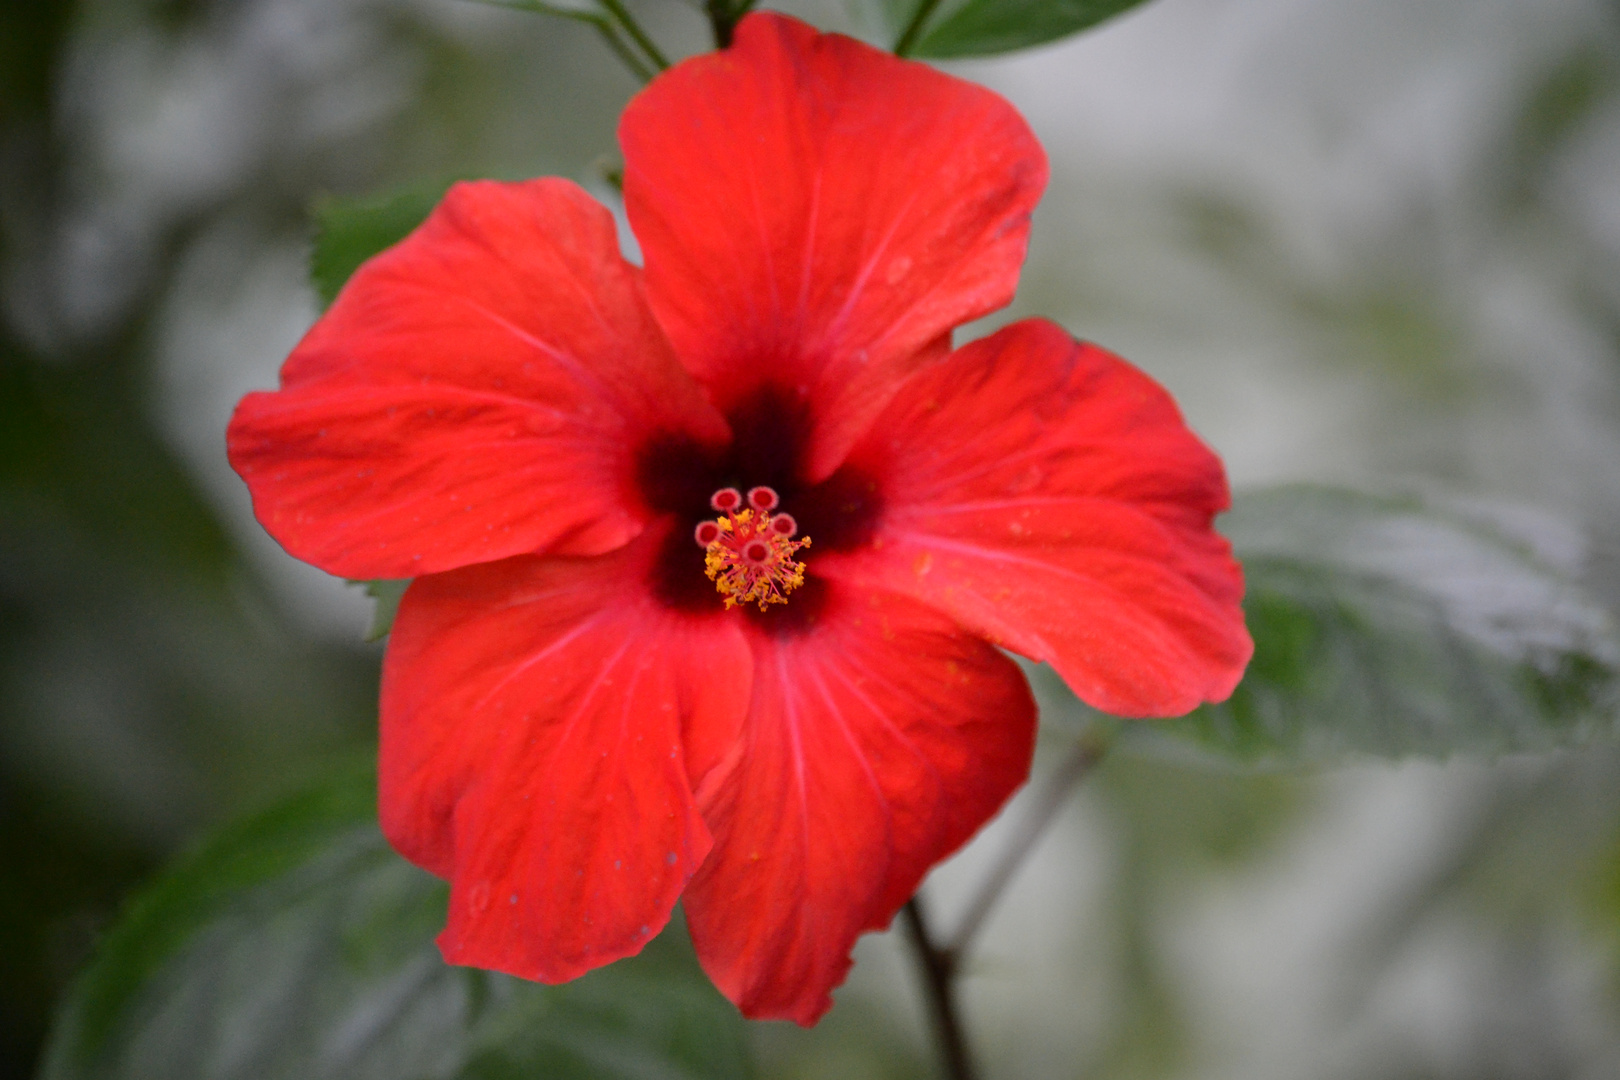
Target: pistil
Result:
[749, 550]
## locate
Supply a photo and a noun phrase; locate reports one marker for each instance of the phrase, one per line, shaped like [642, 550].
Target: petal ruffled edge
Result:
[478, 391]
[814, 212]
[877, 742]
[1050, 497]
[534, 715]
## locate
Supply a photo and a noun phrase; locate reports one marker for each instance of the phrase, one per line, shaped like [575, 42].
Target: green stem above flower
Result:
[913, 32]
[628, 24]
[724, 16]
[617, 27]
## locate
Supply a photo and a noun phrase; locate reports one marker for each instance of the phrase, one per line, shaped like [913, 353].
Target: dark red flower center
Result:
[690, 482]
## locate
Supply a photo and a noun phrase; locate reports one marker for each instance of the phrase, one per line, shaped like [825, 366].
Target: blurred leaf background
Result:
[1372, 243]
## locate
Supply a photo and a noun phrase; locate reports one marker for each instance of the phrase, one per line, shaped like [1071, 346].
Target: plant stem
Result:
[939, 976]
[629, 25]
[940, 963]
[913, 31]
[604, 26]
[722, 19]
[621, 50]
[1074, 769]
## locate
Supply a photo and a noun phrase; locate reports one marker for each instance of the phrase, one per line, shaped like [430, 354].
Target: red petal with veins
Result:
[814, 212]
[1049, 496]
[477, 391]
[880, 737]
[533, 727]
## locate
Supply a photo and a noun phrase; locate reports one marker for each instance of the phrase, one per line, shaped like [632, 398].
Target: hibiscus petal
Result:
[879, 738]
[533, 716]
[814, 212]
[1049, 496]
[478, 391]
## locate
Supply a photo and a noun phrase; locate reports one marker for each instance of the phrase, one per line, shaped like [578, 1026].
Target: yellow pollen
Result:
[749, 561]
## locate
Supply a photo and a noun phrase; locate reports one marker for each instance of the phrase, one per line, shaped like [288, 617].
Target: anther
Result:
[726, 500]
[763, 498]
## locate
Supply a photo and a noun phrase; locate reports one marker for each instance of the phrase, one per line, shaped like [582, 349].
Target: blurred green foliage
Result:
[152, 682]
[144, 685]
[1388, 627]
[962, 28]
[350, 231]
[303, 921]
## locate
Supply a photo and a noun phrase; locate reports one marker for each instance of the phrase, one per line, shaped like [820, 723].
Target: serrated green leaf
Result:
[1391, 627]
[987, 27]
[298, 945]
[387, 592]
[350, 231]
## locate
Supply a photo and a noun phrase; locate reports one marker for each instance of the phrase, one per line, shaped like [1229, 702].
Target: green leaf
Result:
[387, 592]
[350, 231]
[986, 27]
[298, 945]
[1391, 627]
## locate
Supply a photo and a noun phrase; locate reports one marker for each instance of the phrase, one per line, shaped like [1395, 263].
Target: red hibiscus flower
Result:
[619, 678]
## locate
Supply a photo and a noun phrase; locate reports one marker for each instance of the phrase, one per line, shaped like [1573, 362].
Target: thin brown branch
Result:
[938, 968]
[1030, 829]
